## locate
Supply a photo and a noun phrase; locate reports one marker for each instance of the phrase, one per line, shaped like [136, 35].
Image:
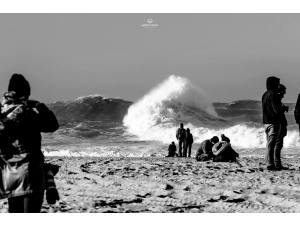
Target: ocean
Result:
[97, 126]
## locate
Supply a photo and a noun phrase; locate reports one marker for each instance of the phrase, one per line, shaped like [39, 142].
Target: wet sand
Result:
[173, 185]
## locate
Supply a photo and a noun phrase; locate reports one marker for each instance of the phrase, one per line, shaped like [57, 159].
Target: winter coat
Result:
[223, 152]
[181, 134]
[271, 103]
[189, 138]
[21, 158]
[172, 150]
[205, 148]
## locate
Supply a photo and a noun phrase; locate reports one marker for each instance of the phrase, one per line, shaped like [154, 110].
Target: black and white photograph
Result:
[149, 112]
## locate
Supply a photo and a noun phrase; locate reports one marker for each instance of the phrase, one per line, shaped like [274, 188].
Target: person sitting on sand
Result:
[181, 137]
[204, 152]
[172, 150]
[223, 151]
[188, 144]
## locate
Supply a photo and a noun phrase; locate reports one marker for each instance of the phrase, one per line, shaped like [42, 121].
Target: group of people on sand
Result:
[24, 175]
[211, 149]
[275, 124]
[217, 150]
[185, 141]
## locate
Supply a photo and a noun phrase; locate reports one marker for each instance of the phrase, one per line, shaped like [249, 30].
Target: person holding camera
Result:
[274, 121]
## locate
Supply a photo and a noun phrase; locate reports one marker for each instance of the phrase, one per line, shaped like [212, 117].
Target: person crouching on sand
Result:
[181, 137]
[188, 144]
[272, 120]
[204, 152]
[172, 150]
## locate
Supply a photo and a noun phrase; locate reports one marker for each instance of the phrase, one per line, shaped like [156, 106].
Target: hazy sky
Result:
[227, 55]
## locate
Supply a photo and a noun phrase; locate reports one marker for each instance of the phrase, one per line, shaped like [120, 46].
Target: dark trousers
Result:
[31, 203]
[187, 150]
[275, 134]
[181, 146]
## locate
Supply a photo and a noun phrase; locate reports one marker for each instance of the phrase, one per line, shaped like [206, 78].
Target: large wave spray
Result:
[157, 115]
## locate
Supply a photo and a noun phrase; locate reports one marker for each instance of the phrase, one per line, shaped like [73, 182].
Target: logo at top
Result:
[150, 23]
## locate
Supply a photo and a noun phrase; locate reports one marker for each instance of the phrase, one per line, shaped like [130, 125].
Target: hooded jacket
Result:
[21, 158]
[271, 103]
[297, 110]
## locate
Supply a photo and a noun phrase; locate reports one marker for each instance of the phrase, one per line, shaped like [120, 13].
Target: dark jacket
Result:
[271, 103]
[181, 134]
[297, 110]
[189, 138]
[172, 150]
[223, 152]
[205, 148]
[21, 158]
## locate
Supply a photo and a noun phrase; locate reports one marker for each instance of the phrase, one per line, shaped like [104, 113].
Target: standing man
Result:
[272, 120]
[181, 137]
[188, 145]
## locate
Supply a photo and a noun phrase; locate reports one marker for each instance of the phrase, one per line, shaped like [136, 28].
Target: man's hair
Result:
[214, 139]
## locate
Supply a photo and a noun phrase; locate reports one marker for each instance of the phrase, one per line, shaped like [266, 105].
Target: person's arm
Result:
[47, 119]
[216, 147]
[207, 149]
[192, 139]
[276, 104]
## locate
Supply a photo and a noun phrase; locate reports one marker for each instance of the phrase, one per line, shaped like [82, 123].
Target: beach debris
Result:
[235, 200]
[71, 173]
[114, 203]
[187, 188]
[143, 195]
[187, 207]
[169, 187]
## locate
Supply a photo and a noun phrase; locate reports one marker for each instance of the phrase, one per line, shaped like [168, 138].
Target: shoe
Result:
[282, 168]
[272, 168]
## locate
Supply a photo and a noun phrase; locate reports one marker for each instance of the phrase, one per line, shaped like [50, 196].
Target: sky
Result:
[228, 56]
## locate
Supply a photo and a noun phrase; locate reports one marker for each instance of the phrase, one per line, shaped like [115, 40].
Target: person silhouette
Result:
[181, 137]
[22, 161]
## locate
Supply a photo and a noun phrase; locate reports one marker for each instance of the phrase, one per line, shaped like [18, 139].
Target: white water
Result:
[157, 115]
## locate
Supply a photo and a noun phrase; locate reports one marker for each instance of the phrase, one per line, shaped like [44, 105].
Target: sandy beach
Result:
[172, 185]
